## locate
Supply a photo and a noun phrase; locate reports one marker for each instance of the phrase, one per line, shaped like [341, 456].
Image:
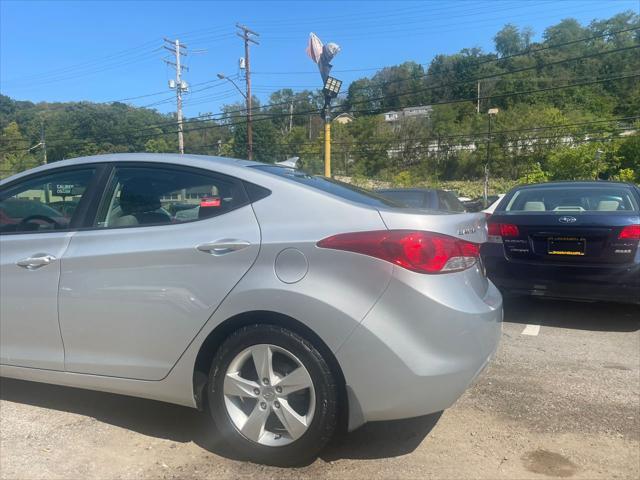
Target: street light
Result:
[491, 112]
[322, 56]
[331, 87]
[222, 76]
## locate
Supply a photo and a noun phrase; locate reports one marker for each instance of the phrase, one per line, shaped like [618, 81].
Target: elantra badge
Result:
[567, 219]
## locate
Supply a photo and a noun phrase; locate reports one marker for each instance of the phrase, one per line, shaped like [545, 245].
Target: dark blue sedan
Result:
[575, 240]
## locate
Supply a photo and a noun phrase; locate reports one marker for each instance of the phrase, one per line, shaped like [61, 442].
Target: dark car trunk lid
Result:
[584, 238]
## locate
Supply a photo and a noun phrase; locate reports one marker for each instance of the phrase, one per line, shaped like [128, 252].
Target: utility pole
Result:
[490, 113]
[478, 100]
[178, 50]
[42, 144]
[246, 35]
[290, 117]
[43, 141]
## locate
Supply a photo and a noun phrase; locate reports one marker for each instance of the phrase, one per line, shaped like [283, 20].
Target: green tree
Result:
[629, 153]
[158, 145]
[374, 140]
[509, 40]
[15, 157]
[583, 162]
[264, 136]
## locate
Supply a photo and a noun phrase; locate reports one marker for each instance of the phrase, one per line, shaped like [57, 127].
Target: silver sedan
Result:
[288, 305]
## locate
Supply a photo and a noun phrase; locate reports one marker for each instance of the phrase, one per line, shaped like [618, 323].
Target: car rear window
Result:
[410, 198]
[449, 202]
[328, 185]
[564, 198]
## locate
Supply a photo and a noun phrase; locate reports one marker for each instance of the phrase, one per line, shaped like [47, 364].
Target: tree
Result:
[509, 40]
[158, 145]
[374, 140]
[583, 162]
[264, 140]
[15, 157]
[629, 153]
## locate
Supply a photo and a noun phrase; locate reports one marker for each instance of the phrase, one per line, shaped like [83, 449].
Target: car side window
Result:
[157, 195]
[44, 203]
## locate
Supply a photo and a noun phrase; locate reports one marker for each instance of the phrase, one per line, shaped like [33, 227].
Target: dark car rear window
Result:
[574, 199]
[334, 187]
[410, 198]
[449, 202]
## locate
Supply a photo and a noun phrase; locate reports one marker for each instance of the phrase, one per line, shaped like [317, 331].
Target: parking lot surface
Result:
[561, 399]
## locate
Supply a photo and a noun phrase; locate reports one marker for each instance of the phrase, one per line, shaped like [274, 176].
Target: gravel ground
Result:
[564, 403]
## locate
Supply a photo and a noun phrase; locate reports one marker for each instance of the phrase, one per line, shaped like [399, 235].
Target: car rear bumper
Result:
[619, 283]
[420, 348]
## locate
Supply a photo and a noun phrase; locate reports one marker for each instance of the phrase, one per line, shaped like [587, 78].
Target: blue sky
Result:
[104, 51]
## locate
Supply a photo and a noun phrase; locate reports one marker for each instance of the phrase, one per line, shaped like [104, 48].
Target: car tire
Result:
[238, 409]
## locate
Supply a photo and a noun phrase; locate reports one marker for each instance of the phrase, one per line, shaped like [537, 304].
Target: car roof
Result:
[575, 183]
[405, 189]
[173, 158]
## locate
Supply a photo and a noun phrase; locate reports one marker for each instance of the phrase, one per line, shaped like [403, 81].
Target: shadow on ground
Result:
[182, 424]
[596, 316]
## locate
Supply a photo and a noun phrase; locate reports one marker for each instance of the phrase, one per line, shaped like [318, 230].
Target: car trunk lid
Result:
[584, 238]
[466, 226]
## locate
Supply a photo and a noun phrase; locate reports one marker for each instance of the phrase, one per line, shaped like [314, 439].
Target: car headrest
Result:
[608, 205]
[534, 207]
[139, 196]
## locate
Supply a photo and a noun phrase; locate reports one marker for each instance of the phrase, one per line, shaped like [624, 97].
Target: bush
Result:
[404, 179]
[626, 175]
[534, 175]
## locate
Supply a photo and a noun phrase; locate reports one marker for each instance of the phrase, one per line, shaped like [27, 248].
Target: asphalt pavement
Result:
[561, 400]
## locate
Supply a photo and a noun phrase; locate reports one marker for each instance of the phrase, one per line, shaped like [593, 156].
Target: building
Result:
[344, 118]
[392, 116]
[421, 111]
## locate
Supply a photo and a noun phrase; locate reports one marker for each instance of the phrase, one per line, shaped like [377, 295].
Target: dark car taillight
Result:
[422, 252]
[498, 231]
[630, 232]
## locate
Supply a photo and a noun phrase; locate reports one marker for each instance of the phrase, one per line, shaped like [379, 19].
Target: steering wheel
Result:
[27, 221]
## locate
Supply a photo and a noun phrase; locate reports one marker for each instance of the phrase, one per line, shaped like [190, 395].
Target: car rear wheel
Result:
[272, 395]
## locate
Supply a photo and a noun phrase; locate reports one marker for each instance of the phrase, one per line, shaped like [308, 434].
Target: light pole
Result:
[322, 56]
[598, 154]
[222, 76]
[330, 90]
[490, 113]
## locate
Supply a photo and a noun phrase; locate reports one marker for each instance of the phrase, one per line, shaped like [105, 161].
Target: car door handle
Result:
[37, 261]
[222, 247]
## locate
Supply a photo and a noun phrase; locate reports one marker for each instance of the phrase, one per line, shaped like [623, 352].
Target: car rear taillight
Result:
[422, 252]
[498, 231]
[503, 229]
[630, 232]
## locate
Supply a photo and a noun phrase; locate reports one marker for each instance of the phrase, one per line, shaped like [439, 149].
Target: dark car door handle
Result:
[36, 261]
[222, 247]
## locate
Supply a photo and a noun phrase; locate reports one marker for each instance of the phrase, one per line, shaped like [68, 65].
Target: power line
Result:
[527, 51]
[473, 99]
[539, 66]
[478, 21]
[210, 117]
[451, 84]
[286, 114]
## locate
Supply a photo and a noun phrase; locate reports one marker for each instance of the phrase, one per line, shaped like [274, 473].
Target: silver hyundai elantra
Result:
[287, 305]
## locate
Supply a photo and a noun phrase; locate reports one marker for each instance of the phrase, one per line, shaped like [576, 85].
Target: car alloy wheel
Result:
[272, 395]
[269, 395]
